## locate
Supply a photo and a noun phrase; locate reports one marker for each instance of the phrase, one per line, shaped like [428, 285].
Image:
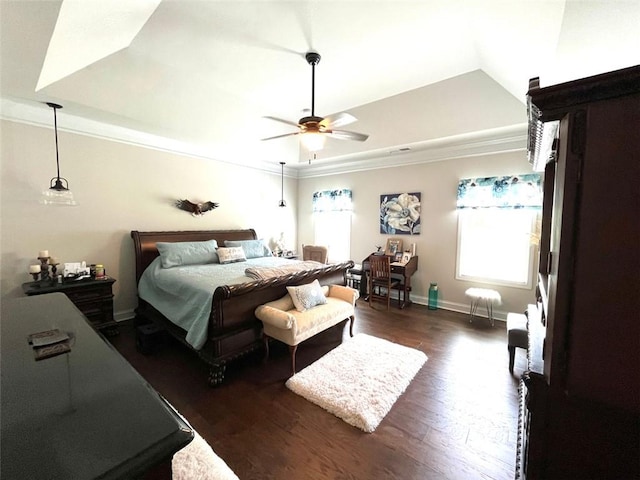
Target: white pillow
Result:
[307, 296]
[231, 254]
[252, 248]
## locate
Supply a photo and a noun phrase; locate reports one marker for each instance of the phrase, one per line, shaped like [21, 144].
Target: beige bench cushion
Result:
[283, 322]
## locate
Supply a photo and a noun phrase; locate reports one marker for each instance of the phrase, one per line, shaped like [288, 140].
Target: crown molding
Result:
[485, 142]
[39, 115]
[498, 140]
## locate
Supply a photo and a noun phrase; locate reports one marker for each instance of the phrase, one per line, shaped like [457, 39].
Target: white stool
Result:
[477, 295]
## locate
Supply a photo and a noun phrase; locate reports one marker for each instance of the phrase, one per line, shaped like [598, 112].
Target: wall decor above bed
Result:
[196, 209]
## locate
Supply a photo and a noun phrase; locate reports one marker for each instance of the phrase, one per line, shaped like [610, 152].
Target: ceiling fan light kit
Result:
[312, 129]
[313, 141]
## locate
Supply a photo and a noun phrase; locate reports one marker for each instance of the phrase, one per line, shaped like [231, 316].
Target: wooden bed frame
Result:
[233, 328]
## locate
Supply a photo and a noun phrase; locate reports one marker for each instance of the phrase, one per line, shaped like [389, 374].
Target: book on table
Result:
[49, 343]
[48, 337]
[47, 351]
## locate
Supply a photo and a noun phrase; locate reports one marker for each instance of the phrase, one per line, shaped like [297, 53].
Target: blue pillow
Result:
[252, 248]
[174, 254]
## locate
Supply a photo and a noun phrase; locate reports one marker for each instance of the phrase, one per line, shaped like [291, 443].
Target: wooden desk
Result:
[83, 414]
[403, 272]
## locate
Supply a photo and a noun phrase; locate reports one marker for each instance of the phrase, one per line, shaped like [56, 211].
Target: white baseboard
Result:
[124, 315]
[498, 315]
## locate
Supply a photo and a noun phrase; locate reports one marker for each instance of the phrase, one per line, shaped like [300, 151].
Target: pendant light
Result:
[58, 192]
[282, 202]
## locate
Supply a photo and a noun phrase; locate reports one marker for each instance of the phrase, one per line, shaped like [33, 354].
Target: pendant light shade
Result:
[58, 193]
[282, 202]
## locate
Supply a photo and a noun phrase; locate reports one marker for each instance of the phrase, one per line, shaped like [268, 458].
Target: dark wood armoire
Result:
[580, 398]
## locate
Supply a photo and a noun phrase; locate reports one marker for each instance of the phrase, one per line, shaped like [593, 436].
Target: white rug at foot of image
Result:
[197, 461]
[360, 380]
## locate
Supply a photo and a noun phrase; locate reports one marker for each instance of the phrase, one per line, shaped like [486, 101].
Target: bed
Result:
[232, 330]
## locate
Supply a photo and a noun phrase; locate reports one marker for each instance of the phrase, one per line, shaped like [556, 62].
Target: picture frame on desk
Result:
[394, 246]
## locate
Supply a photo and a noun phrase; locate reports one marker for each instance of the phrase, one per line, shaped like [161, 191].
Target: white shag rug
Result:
[197, 461]
[360, 380]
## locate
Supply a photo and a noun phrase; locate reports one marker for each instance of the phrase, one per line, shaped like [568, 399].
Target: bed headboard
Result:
[146, 250]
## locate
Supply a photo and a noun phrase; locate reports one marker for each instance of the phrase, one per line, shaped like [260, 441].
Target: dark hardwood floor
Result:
[457, 419]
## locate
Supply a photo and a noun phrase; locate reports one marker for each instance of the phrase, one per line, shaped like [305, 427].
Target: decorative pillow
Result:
[231, 254]
[307, 296]
[174, 254]
[252, 248]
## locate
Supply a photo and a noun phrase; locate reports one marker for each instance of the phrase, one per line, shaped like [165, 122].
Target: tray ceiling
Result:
[205, 73]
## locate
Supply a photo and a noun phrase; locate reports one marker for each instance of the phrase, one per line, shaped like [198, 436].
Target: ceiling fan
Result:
[313, 129]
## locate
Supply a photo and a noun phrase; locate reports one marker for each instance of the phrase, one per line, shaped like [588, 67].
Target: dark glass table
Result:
[83, 414]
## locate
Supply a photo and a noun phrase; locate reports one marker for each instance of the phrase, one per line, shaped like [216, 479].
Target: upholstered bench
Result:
[305, 311]
[517, 335]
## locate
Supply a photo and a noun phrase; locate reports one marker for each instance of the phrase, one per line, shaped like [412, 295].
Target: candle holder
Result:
[35, 276]
[44, 269]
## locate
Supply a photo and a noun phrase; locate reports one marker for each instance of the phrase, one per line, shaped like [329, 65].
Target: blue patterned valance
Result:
[512, 191]
[332, 201]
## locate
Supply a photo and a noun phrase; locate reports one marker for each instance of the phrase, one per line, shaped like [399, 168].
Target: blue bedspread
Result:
[184, 294]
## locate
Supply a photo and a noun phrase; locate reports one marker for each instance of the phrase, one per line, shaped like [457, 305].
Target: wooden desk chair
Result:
[380, 277]
[317, 253]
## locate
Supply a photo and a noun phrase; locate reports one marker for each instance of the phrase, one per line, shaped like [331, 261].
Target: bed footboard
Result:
[234, 304]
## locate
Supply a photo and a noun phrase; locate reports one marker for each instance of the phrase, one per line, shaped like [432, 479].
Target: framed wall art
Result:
[400, 213]
[394, 247]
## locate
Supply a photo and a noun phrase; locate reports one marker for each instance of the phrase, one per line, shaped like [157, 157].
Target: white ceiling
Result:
[205, 73]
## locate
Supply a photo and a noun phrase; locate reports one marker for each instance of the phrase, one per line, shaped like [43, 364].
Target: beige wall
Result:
[436, 245]
[122, 187]
[119, 188]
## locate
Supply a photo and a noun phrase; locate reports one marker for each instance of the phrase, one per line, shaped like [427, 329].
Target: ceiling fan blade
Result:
[280, 136]
[338, 120]
[282, 120]
[345, 135]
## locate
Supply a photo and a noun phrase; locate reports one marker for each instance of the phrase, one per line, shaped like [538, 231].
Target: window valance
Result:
[332, 201]
[511, 191]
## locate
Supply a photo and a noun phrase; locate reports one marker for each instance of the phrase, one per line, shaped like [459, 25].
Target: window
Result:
[497, 221]
[332, 222]
[494, 246]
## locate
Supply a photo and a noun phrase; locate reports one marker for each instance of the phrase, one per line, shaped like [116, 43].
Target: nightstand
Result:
[94, 298]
